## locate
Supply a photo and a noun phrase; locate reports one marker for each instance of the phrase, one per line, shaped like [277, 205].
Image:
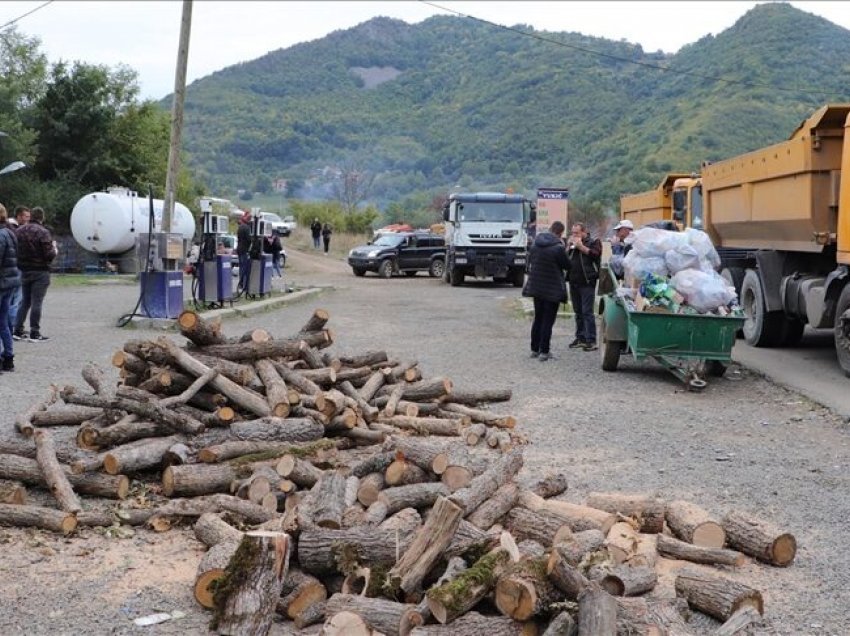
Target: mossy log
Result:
[716, 596]
[311, 615]
[246, 596]
[694, 525]
[647, 510]
[211, 570]
[453, 599]
[523, 590]
[759, 539]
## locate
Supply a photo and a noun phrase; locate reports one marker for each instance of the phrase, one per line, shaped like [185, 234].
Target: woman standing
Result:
[10, 282]
[547, 264]
[326, 235]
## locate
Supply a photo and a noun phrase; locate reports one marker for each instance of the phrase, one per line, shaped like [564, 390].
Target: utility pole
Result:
[177, 117]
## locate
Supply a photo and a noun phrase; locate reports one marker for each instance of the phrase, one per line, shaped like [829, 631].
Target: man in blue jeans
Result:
[585, 254]
[21, 217]
[36, 251]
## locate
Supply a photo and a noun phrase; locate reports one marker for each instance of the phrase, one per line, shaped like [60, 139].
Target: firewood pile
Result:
[349, 491]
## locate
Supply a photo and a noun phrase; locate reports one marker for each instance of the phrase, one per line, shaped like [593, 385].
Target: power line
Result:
[21, 17]
[609, 56]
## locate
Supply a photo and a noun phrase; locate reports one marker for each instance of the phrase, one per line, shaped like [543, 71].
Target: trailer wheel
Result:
[762, 328]
[610, 349]
[842, 330]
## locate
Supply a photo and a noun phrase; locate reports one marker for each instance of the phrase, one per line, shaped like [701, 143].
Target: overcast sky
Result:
[144, 35]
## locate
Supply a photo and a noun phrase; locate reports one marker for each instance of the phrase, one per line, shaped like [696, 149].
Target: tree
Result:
[352, 185]
[22, 74]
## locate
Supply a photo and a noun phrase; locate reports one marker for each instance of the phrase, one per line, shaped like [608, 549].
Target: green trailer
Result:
[689, 346]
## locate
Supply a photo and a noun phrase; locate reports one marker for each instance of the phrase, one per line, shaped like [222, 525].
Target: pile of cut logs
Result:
[351, 492]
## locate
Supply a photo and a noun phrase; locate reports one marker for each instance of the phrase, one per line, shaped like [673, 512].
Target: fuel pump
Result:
[260, 275]
[215, 283]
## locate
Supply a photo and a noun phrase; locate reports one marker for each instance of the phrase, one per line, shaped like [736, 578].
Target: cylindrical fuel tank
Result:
[108, 222]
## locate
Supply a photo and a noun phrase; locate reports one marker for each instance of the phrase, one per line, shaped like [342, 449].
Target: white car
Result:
[277, 223]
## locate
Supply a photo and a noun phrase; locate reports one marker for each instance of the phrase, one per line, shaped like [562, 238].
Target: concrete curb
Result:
[237, 311]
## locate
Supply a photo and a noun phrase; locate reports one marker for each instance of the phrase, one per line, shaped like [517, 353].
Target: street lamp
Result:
[12, 167]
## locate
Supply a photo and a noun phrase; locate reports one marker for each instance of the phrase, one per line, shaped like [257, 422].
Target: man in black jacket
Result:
[547, 262]
[10, 282]
[584, 255]
[36, 251]
[243, 247]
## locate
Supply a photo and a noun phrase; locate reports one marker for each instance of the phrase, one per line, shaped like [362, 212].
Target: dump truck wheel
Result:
[762, 328]
[842, 330]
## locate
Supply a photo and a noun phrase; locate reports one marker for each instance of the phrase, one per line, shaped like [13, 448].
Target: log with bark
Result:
[246, 596]
[245, 351]
[565, 576]
[197, 479]
[402, 472]
[35, 516]
[653, 616]
[523, 590]
[300, 592]
[139, 455]
[211, 570]
[695, 525]
[23, 422]
[328, 501]
[210, 529]
[648, 511]
[574, 547]
[54, 475]
[716, 596]
[124, 431]
[382, 616]
[12, 492]
[278, 429]
[475, 624]
[495, 507]
[459, 465]
[482, 487]
[561, 625]
[551, 485]
[624, 580]
[320, 550]
[739, 622]
[621, 541]
[28, 471]
[579, 517]
[413, 496]
[485, 417]
[675, 549]
[474, 398]
[542, 526]
[201, 332]
[760, 539]
[597, 612]
[316, 322]
[369, 488]
[65, 416]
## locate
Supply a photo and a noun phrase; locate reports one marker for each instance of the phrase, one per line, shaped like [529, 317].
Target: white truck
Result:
[487, 236]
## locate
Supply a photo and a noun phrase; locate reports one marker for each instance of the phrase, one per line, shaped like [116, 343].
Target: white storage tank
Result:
[108, 222]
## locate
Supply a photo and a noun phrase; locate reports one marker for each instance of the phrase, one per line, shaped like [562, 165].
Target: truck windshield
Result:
[490, 212]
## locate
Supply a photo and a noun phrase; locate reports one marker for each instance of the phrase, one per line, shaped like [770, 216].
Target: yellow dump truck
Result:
[780, 218]
[652, 206]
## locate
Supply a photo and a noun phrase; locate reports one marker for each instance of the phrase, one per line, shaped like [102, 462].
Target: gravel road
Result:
[743, 443]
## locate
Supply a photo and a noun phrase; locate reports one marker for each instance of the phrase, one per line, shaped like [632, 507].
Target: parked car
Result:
[278, 224]
[402, 252]
[290, 223]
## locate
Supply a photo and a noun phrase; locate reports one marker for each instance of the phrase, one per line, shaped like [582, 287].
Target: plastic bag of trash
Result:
[650, 241]
[704, 291]
[638, 267]
[683, 257]
[701, 242]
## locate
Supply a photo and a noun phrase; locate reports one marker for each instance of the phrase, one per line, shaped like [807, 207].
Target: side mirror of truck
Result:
[532, 215]
[446, 213]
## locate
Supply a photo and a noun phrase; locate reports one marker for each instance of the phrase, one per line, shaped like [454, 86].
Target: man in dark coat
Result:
[243, 247]
[585, 254]
[36, 252]
[547, 263]
[10, 283]
[316, 232]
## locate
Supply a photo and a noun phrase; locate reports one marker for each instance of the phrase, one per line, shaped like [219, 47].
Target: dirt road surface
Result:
[744, 443]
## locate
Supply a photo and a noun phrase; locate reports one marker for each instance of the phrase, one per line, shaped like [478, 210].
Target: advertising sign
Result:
[552, 205]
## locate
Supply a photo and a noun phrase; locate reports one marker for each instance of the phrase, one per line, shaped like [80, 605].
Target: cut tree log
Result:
[386, 617]
[244, 351]
[459, 465]
[316, 322]
[496, 507]
[54, 475]
[646, 552]
[375, 382]
[475, 433]
[574, 547]
[579, 517]
[564, 576]
[426, 549]
[542, 526]
[24, 421]
[473, 398]
[370, 487]
[413, 496]
[647, 510]
[621, 542]
[139, 455]
[300, 592]
[35, 516]
[246, 596]
[485, 417]
[653, 617]
[482, 487]
[310, 616]
[561, 625]
[424, 391]
[123, 431]
[369, 412]
[402, 472]
[328, 502]
[475, 624]
[321, 549]
[551, 485]
[278, 429]
[716, 596]
[624, 580]
[498, 439]
[597, 612]
[64, 416]
[456, 597]
[523, 591]
[176, 454]
[28, 471]
[675, 549]
[210, 529]
[196, 506]
[454, 567]
[425, 425]
[393, 400]
[12, 492]
[739, 622]
[211, 570]
[255, 335]
[422, 451]
[374, 464]
[693, 524]
[760, 539]
[299, 471]
[197, 479]
[191, 390]
[199, 331]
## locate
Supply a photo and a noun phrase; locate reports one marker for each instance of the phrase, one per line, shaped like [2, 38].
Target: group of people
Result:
[553, 264]
[27, 250]
[271, 245]
[318, 230]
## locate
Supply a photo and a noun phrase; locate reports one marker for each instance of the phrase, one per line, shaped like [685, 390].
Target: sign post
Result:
[552, 205]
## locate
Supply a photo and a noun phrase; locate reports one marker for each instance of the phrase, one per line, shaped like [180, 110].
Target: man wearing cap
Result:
[619, 248]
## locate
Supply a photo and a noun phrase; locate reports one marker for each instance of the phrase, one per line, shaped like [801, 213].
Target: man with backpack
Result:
[585, 254]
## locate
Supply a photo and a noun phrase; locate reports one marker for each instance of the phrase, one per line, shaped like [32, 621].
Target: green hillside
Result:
[471, 104]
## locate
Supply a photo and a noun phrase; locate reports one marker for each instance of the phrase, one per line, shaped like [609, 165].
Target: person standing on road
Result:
[36, 251]
[584, 255]
[316, 232]
[546, 284]
[243, 247]
[10, 283]
[326, 236]
[271, 245]
[21, 217]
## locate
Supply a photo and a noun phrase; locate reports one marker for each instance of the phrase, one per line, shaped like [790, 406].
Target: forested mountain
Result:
[454, 101]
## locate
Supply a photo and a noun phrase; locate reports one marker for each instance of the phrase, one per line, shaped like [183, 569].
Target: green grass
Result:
[74, 280]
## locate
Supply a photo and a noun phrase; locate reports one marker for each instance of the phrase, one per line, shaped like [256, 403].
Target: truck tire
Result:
[517, 277]
[842, 330]
[358, 271]
[762, 328]
[437, 269]
[385, 269]
[610, 349]
[456, 277]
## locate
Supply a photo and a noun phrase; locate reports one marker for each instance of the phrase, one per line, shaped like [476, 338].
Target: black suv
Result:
[407, 252]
